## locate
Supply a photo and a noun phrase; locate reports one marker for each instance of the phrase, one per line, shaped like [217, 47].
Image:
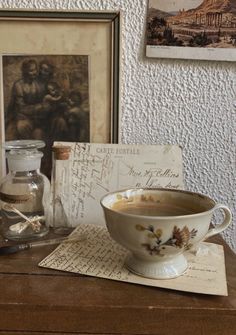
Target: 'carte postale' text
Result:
[118, 151]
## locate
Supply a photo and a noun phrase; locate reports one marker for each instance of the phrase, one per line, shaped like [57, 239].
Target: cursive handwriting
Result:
[97, 169]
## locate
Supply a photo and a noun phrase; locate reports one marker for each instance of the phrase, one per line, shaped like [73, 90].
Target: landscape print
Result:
[192, 24]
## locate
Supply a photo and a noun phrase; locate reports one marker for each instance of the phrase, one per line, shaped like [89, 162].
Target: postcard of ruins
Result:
[192, 29]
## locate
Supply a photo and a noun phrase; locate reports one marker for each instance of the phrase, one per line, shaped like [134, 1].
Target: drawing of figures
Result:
[47, 98]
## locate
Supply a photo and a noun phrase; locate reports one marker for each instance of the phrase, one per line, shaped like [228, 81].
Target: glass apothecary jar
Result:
[24, 192]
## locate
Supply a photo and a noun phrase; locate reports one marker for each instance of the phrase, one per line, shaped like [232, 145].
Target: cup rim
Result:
[158, 189]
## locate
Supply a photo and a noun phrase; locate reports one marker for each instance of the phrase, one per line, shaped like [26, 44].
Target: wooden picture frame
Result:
[52, 34]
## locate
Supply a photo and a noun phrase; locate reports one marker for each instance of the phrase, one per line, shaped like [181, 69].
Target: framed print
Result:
[59, 77]
[192, 29]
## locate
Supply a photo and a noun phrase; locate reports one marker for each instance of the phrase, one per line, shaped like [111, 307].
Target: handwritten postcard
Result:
[100, 256]
[96, 169]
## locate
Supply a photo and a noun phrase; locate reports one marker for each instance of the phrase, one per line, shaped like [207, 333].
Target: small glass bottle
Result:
[24, 192]
[61, 189]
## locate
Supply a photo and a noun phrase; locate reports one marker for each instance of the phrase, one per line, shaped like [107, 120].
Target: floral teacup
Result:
[158, 225]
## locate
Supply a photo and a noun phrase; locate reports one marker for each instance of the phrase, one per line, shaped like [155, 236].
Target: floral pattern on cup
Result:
[181, 238]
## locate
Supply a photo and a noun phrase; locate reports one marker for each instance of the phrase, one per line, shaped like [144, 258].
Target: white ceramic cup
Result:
[158, 225]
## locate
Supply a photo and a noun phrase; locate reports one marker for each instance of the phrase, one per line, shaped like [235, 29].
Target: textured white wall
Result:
[190, 103]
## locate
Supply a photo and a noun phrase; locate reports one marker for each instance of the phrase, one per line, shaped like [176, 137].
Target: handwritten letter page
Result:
[96, 169]
[100, 256]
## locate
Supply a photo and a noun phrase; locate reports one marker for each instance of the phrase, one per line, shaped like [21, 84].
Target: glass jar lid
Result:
[23, 155]
[23, 144]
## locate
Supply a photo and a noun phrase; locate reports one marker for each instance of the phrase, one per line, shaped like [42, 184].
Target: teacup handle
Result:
[220, 227]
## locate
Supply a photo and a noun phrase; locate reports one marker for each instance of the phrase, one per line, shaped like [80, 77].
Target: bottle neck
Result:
[21, 165]
[26, 160]
[19, 174]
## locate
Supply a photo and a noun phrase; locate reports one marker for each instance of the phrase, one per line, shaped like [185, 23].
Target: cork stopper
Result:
[61, 152]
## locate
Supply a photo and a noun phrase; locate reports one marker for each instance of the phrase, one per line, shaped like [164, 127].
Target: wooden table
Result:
[35, 300]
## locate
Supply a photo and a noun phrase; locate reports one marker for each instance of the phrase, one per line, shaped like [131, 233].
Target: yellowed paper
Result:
[58, 37]
[191, 29]
[100, 256]
[96, 169]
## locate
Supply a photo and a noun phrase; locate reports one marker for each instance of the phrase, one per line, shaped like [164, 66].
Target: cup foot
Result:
[163, 269]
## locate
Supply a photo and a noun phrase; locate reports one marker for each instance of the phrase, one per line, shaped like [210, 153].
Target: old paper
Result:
[96, 169]
[185, 29]
[100, 256]
[65, 37]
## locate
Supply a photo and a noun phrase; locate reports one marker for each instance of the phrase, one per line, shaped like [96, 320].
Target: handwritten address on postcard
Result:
[96, 169]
